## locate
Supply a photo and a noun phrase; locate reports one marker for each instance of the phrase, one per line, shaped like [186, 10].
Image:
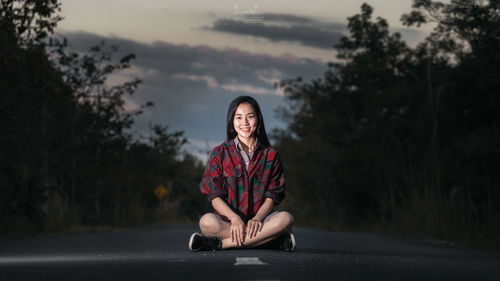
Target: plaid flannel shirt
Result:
[244, 190]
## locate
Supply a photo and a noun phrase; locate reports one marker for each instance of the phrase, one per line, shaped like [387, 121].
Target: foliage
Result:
[66, 156]
[29, 21]
[392, 134]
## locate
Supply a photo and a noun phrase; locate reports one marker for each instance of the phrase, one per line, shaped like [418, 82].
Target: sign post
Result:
[160, 192]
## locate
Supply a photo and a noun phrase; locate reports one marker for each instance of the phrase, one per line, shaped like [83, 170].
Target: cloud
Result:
[295, 29]
[247, 89]
[192, 86]
[285, 27]
[210, 81]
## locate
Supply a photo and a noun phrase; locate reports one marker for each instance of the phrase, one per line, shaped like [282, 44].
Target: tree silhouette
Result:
[67, 156]
[392, 134]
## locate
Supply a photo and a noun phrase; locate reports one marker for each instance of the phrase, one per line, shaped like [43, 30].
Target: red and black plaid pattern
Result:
[244, 190]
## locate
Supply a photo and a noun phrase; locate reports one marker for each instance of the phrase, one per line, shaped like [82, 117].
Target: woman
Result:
[244, 180]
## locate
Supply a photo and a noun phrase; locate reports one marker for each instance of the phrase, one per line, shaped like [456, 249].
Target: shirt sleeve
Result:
[212, 183]
[276, 187]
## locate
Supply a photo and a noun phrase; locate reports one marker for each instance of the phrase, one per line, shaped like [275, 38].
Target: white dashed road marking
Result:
[249, 261]
[264, 280]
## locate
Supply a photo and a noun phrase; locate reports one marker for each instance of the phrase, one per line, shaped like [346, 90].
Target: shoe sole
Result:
[190, 245]
[292, 237]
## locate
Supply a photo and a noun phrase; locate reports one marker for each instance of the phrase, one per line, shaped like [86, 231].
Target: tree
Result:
[392, 134]
[66, 154]
[467, 36]
[339, 119]
[33, 97]
[28, 22]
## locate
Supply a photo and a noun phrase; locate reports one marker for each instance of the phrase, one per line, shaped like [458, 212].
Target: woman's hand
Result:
[253, 227]
[237, 231]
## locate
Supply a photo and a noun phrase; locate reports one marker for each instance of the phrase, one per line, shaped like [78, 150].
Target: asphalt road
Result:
[161, 253]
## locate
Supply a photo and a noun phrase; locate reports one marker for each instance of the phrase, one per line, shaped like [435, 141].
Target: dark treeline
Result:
[392, 137]
[402, 138]
[66, 158]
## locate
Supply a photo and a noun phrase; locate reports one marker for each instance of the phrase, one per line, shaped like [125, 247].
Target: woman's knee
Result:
[284, 221]
[210, 224]
[289, 220]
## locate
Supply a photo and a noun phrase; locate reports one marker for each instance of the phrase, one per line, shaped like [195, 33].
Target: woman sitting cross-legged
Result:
[244, 180]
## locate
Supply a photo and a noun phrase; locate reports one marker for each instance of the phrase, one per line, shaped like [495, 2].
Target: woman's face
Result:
[245, 121]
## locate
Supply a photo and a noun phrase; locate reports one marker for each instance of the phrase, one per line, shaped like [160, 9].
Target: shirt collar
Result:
[240, 148]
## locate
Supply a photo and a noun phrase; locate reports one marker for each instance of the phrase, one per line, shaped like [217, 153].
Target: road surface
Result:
[161, 253]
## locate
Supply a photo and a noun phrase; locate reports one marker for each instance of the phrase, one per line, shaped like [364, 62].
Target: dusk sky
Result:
[194, 57]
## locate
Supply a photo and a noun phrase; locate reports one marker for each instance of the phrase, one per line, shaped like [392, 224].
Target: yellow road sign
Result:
[160, 192]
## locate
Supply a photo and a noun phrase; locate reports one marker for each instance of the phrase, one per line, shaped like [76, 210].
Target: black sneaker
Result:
[198, 242]
[286, 242]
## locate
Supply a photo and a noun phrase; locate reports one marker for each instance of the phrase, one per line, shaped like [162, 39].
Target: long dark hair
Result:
[260, 131]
